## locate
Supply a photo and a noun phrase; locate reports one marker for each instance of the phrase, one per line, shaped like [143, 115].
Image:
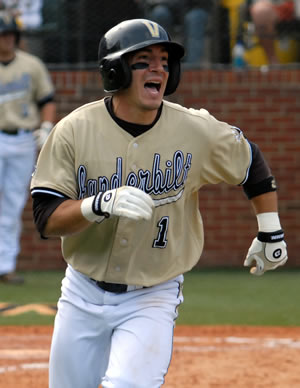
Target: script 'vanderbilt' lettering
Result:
[155, 181]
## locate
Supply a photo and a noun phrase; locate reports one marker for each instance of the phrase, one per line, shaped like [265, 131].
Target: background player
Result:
[118, 180]
[26, 101]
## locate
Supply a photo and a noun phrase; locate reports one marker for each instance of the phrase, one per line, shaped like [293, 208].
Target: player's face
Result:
[7, 43]
[149, 75]
[139, 102]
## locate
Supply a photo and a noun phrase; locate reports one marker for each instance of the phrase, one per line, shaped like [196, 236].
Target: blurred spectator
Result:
[29, 12]
[29, 18]
[266, 14]
[192, 15]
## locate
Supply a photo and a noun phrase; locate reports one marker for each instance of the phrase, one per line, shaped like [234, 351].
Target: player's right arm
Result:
[62, 216]
[57, 215]
[66, 219]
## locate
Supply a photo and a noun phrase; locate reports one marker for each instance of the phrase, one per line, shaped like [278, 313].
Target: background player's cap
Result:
[8, 23]
[127, 37]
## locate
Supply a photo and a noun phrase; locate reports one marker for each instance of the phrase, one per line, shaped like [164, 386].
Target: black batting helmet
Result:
[8, 23]
[127, 37]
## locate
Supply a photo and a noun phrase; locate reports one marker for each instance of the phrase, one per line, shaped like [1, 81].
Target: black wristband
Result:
[271, 237]
[96, 205]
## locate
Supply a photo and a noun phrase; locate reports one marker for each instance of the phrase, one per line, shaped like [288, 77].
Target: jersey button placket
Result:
[134, 166]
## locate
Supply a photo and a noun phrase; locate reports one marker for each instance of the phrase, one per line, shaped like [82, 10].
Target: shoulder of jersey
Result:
[83, 110]
[88, 108]
[188, 111]
[27, 57]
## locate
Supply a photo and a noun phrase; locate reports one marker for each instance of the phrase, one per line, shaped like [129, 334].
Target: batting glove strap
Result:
[271, 237]
[96, 205]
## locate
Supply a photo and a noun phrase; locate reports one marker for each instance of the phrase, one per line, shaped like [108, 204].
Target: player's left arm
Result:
[44, 95]
[268, 250]
[48, 115]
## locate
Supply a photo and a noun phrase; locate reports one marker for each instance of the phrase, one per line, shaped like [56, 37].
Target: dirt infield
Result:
[205, 357]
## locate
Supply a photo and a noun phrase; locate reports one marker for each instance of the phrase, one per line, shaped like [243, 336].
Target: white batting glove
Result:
[265, 256]
[125, 201]
[42, 133]
[268, 250]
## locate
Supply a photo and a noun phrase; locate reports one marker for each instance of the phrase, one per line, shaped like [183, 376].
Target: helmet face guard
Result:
[127, 37]
[8, 24]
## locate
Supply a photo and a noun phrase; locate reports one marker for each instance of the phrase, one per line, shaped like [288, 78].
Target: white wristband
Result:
[268, 222]
[47, 125]
[87, 211]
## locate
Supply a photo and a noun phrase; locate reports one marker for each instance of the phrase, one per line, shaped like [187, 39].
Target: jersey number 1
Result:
[161, 239]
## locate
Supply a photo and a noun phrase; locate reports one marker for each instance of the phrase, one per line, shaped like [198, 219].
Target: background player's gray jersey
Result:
[24, 82]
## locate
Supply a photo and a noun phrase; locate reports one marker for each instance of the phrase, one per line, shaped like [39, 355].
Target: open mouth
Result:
[153, 86]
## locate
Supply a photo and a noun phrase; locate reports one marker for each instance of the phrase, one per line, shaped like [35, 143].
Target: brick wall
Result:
[265, 105]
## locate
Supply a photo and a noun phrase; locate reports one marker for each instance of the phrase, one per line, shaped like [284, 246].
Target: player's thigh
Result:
[16, 180]
[141, 347]
[79, 349]
[1, 173]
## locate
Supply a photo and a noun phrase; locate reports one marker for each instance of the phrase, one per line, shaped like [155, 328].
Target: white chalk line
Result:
[181, 344]
[27, 366]
[21, 354]
[245, 341]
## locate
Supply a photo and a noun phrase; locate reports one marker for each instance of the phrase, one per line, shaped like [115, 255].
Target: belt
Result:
[115, 287]
[15, 131]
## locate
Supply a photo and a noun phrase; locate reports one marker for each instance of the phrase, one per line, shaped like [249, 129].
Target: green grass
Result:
[212, 297]
[40, 287]
[234, 297]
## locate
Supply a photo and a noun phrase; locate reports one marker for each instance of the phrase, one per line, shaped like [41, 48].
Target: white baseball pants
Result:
[17, 158]
[120, 340]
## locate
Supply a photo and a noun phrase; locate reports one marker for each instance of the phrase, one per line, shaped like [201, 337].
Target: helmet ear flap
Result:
[112, 74]
[115, 73]
[174, 76]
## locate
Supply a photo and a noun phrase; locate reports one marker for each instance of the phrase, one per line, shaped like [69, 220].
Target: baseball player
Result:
[26, 105]
[118, 180]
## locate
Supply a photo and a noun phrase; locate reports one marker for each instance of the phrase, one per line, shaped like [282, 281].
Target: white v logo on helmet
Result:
[152, 27]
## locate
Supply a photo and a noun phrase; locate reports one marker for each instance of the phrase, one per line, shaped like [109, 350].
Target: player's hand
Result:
[265, 256]
[42, 133]
[125, 201]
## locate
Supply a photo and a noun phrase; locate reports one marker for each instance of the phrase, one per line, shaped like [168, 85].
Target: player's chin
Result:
[152, 105]
[152, 102]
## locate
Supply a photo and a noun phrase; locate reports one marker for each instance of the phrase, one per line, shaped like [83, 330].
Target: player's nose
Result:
[156, 64]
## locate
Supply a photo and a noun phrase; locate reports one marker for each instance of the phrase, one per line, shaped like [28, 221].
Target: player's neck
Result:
[7, 56]
[132, 113]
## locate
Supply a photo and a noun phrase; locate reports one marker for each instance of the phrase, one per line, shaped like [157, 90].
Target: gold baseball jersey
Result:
[24, 82]
[88, 152]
